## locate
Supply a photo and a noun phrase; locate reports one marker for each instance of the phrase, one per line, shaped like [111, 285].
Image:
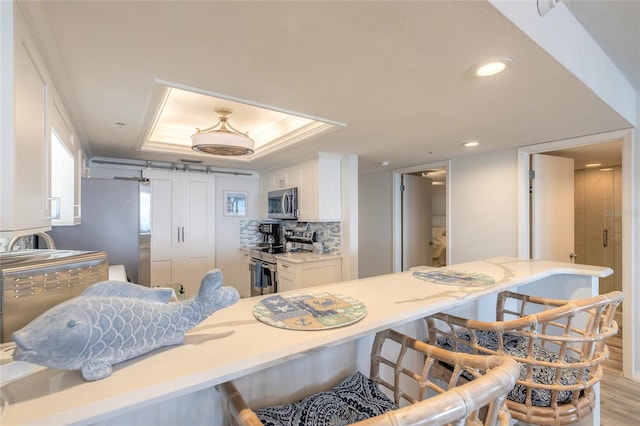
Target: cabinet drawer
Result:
[296, 276]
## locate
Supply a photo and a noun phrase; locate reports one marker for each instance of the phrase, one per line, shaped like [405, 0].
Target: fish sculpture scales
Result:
[114, 321]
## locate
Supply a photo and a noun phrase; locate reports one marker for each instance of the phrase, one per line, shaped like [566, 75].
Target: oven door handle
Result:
[272, 281]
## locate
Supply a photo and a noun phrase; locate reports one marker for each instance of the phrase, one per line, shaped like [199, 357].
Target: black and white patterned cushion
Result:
[354, 399]
[517, 346]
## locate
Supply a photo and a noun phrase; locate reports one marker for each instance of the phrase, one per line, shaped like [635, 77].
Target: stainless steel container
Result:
[33, 281]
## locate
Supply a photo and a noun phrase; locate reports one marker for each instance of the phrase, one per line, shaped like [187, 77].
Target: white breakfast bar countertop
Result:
[231, 343]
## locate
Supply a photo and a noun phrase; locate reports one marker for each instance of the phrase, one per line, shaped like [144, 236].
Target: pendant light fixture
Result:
[222, 138]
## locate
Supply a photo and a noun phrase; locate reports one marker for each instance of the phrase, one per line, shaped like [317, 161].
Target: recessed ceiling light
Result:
[470, 143]
[385, 162]
[608, 169]
[493, 67]
[593, 165]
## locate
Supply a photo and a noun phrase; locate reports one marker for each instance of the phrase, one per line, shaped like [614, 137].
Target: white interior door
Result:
[552, 209]
[416, 221]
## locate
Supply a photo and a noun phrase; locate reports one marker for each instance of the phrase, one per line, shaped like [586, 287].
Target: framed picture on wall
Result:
[235, 203]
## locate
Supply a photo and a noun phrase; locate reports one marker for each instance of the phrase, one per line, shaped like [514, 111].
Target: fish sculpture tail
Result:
[212, 296]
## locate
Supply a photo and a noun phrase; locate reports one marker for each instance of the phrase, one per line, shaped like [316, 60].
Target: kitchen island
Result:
[176, 385]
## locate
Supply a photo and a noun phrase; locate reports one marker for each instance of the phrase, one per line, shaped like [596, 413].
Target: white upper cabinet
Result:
[319, 192]
[24, 159]
[36, 134]
[319, 186]
[285, 178]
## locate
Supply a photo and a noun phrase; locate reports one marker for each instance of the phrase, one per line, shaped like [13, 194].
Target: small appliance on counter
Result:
[301, 235]
[33, 281]
[270, 234]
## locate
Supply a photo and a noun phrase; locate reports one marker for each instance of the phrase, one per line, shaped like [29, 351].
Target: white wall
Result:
[439, 205]
[483, 206]
[228, 227]
[375, 224]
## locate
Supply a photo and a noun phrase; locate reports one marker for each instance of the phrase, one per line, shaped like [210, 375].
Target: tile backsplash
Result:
[327, 233]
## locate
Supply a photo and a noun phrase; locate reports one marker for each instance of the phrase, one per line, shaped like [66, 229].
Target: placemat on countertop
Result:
[309, 311]
[458, 278]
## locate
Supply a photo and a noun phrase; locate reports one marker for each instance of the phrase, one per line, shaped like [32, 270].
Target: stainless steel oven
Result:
[264, 274]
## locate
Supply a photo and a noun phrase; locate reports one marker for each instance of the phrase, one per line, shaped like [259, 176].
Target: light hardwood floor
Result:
[619, 397]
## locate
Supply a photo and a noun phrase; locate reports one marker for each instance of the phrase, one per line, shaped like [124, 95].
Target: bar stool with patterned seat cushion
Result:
[560, 345]
[400, 390]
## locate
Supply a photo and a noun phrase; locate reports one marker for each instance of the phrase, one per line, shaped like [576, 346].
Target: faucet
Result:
[46, 237]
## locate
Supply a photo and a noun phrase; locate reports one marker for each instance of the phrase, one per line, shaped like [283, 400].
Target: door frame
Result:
[630, 221]
[397, 208]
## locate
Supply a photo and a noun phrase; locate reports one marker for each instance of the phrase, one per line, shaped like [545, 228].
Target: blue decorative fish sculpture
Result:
[114, 321]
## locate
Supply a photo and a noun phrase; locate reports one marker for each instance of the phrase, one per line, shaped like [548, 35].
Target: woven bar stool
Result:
[560, 345]
[424, 399]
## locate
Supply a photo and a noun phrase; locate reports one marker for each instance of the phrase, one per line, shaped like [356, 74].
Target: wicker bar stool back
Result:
[404, 366]
[560, 345]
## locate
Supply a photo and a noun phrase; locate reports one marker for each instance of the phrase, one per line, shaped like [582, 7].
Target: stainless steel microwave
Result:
[283, 204]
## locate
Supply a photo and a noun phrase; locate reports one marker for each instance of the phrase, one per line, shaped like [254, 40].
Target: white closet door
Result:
[416, 221]
[552, 208]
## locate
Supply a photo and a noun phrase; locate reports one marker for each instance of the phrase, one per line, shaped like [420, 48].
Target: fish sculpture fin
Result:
[212, 295]
[129, 290]
[96, 369]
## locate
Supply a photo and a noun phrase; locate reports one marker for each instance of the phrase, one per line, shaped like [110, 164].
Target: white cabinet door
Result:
[329, 188]
[287, 273]
[295, 276]
[25, 183]
[196, 249]
[318, 273]
[182, 228]
[319, 197]
[165, 214]
[308, 192]
[284, 178]
[245, 274]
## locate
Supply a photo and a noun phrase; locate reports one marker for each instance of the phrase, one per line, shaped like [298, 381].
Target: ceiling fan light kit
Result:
[222, 138]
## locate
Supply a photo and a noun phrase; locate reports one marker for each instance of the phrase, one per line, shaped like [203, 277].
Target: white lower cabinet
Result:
[182, 228]
[245, 274]
[295, 276]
